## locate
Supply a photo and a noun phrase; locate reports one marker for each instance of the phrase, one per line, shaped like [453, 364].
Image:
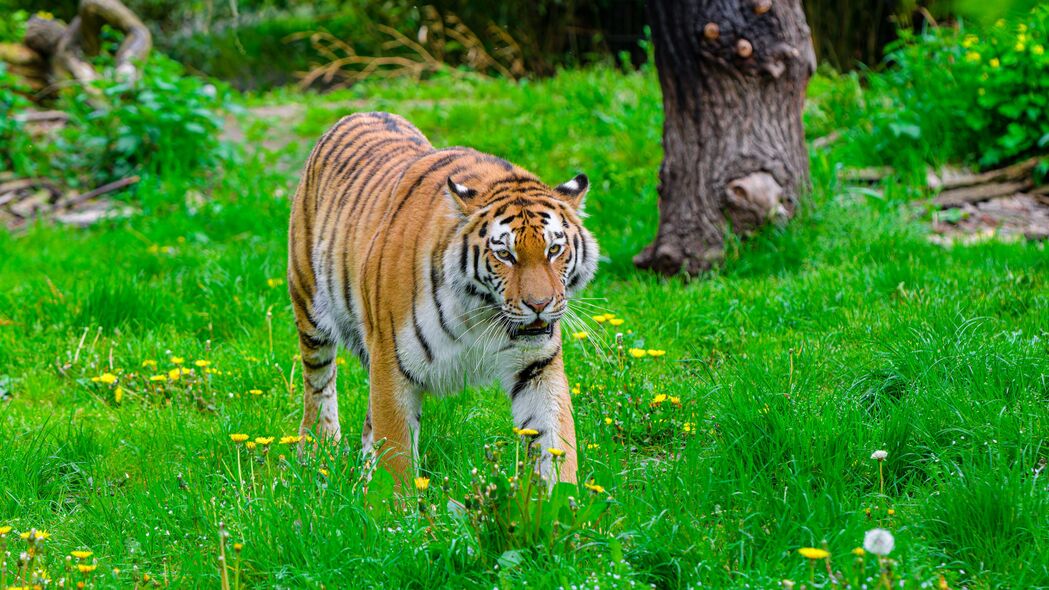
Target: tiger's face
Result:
[525, 252]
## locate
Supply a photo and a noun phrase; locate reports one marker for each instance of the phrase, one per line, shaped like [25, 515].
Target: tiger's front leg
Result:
[394, 404]
[540, 401]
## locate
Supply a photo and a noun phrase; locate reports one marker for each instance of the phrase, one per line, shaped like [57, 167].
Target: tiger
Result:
[438, 269]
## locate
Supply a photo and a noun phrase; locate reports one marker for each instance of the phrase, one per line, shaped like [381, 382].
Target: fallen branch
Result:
[982, 192]
[873, 174]
[42, 117]
[22, 184]
[105, 188]
[822, 142]
[1017, 171]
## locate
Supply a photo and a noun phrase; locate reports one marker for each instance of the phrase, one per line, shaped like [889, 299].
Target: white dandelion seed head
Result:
[879, 455]
[878, 542]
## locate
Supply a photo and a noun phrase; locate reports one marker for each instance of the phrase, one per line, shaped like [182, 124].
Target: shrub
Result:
[971, 96]
[164, 120]
[16, 147]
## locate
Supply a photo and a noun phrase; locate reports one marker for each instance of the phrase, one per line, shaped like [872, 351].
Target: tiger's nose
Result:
[538, 305]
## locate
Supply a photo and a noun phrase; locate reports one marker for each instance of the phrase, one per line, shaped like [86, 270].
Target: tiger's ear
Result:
[574, 190]
[462, 196]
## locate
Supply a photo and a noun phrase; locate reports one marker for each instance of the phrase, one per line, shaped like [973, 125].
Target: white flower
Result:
[878, 542]
[879, 455]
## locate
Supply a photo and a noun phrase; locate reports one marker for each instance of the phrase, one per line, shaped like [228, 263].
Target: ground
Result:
[813, 346]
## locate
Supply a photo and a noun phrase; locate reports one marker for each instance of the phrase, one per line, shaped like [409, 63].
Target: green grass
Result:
[812, 347]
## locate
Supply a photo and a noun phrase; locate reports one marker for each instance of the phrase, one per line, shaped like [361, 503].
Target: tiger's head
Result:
[523, 250]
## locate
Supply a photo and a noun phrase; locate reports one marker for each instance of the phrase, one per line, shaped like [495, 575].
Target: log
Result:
[1016, 171]
[974, 194]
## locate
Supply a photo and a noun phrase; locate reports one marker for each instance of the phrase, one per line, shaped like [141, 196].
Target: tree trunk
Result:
[733, 74]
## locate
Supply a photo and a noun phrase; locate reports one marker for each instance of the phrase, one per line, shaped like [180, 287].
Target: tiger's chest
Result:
[482, 353]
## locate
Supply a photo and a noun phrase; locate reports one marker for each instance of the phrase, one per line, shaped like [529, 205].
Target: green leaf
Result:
[510, 559]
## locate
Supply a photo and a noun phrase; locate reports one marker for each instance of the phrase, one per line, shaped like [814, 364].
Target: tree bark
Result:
[733, 75]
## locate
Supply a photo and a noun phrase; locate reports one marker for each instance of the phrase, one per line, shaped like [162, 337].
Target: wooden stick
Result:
[105, 188]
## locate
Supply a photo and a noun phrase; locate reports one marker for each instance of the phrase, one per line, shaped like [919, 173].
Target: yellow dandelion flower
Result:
[263, 440]
[250, 445]
[599, 318]
[238, 437]
[972, 56]
[96, 379]
[1038, 50]
[175, 374]
[995, 62]
[579, 335]
[556, 452]
[201, 363]
[607, 420]
[149, 364]
[1022, 28]
[238, 547]
[45, 15]
[422, 483]
[4, 530]
[637, 352]
[527, 432]
[675, 400]
[593, 487]
[659, 399]
[688, 427]
[656, 352]
[289, 440]
[1020, 47]
[159, 378]
[274, 283]
[610, 316]
[616, 321]
[813, 553]
[177, 360]
[107, 378]
[323, 472]
[255, 391]
[118, 394]
[82, 554]
[576, 390]
[892, 512]
[86, 568]
[859, 552]
[592, 446]
[34, 535]
[969, 41]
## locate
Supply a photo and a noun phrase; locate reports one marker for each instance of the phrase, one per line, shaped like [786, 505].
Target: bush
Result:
[970, 96]
[166, 120]
[16, 146]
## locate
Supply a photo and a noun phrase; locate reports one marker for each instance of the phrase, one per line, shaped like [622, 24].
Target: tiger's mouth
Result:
[536, 328]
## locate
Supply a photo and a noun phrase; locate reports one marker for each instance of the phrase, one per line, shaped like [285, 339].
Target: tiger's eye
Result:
[555, 250]
[503, 254]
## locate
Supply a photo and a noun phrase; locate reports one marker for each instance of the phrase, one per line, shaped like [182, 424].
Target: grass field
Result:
[812, 347]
